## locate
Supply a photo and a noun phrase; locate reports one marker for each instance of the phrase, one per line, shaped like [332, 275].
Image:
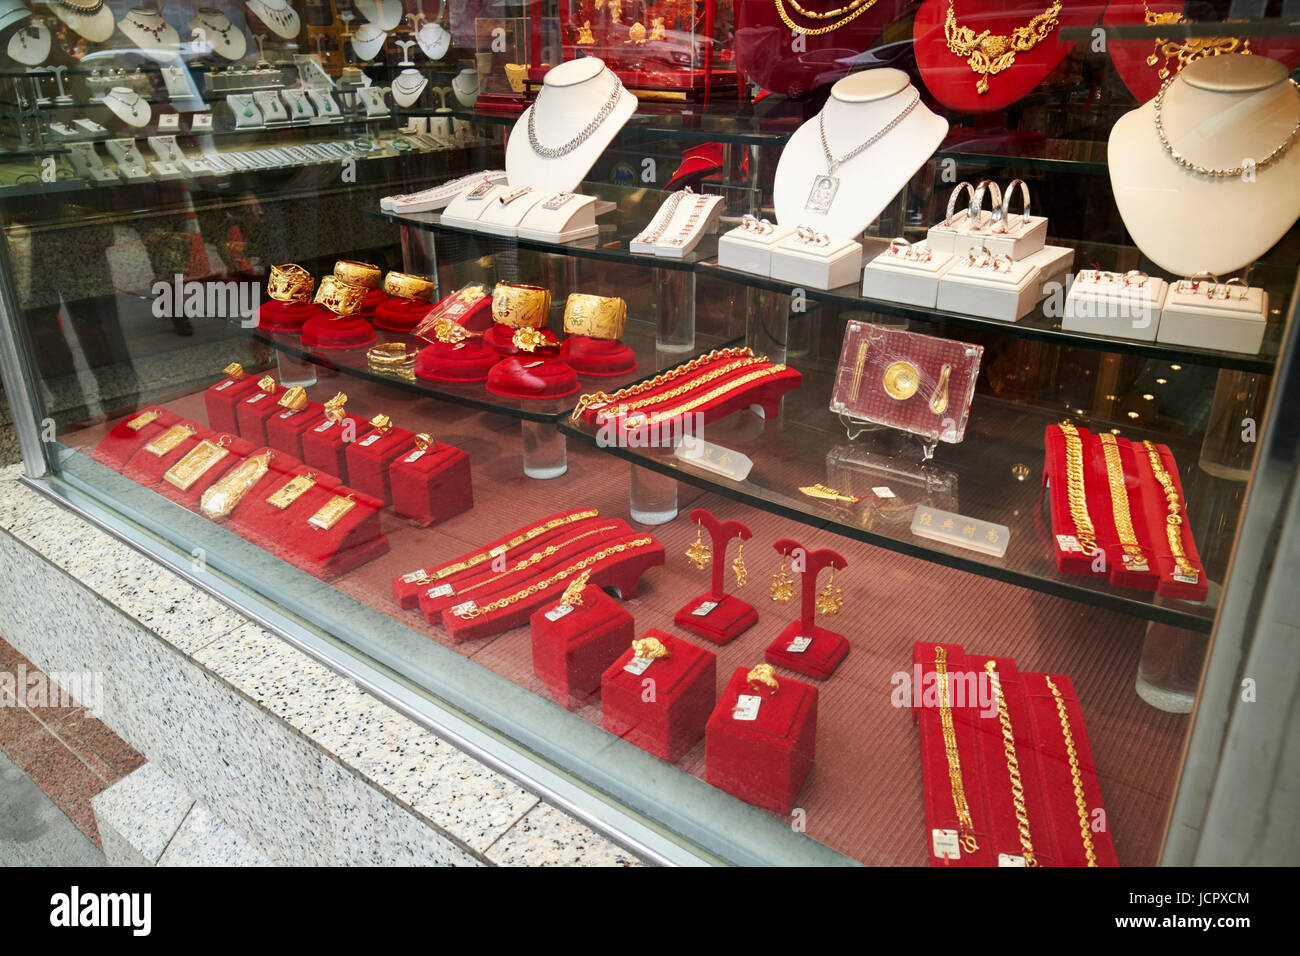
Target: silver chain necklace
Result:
[1278, 152]
[825, 186]
[558, 151]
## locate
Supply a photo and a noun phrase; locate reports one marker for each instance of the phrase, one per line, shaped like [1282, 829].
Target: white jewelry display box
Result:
[818, 267]
[1107, 303]
[507, 210]
[906, 274]
[561, 217]
[748, 250]
[466, 209]
[439, 196]
[1006, 292]
[682, 233]
[1021, 238]
[1195, 315]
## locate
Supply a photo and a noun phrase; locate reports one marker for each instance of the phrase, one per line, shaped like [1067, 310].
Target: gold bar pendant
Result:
[169, 440]
[141, 420]
[196, 462]
[331, 513]
[291, 491]
[221, 499]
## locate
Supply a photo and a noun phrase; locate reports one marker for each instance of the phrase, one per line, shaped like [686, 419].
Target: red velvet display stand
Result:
[284, 429]
[500, 339]
[236, 451]
[1174, 582]
[355, 539]
[146, 468]
[284, 317]
[371, 303]
[664, 707]
[432, 485]
[531, 378]
[325, 443]
[588, 356]
[262, 523]
[252, 413]
[221, 399]
[820, 657]
[122, 442]
[763, 761]
[401, 315]
[572, 647]
[370, 457]
[730, 616]
[461, 362]
[325, 330]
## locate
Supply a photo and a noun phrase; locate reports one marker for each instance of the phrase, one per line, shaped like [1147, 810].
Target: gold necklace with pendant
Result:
[1186, 49]
[987, 53]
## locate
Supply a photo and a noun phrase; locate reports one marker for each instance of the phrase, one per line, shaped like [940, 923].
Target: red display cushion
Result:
[370, 457]
[766, 393]
[572, 649]
[253, 411]
[121, 442]
[664, 709]
[324, 443]
[1068, 559]
[462, 362]
[947, 75]
[531, 378]
[764, 761]
[146, 468]
[500, 339]
[325, 330]
[597, 357]
[766, 53]
[433, 485]
[237, 449]
[287, 317]
[255, 520]
[221, 399]
[401, 315]
[1155, 511]
[371, 303]
[284, 429]
[818, 660]
[722, 625]
[355, 539]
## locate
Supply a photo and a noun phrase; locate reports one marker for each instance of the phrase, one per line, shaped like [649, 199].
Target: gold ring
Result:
[528, 340]
[290, 283]
[334, 410]
[649, 648]
[234, 371]
[764, 674]
[424, 441]
[339, 295]
[521, 306]
[359, 273]
[295, 398]
[267, 384]
[382, 424]
[595, 316]
[902, 380]
[403, 285]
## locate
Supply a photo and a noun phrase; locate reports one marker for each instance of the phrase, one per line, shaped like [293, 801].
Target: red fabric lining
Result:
[325, 330]
[571, 654]
[500, 339]
[531, 378]
[1155, 511]
[726, 622]
[820, 658]
[597, 357]
[116, 447]
[323, 446]
[462, 362]
[287, 317]
[221, 399]
[434, 487]
[672, 719]
[284, 430]
[368, 464]
[401, 315]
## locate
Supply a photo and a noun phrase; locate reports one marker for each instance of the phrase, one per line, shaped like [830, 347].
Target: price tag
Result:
[290, 413]
[460, 609]
[224, 385]
[442, 590]
[746, 707]
[370, 439]
[799, 645]
[559, 611]
[1010, 859]
[414, 456]
[533, 364]
[257, 398]
[326, 426]
[945, 844]
[412, 577]
[1068, 542]
[704, 608]
[882, 492]
[1186, 578]
[638, 665]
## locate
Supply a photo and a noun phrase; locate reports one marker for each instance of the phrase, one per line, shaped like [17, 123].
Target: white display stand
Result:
[1054, 264]
[1006, 295]
[221, 36]
[818, 267]
[30, 44]
[1105, 304]
[465, 211]
[678, 236]
[1024, 236]
[274, 112]
[385, 14]
[561, 219]
[504, 220]
[162, 45]
[1233, 324]
[572, 96]
[906, 276]
[439, 196]
[859, 105]
[1219, 111]
[367, 41]
[130, 163]
[408, 86]
[750, 251]
[128, 106]
[97, 27]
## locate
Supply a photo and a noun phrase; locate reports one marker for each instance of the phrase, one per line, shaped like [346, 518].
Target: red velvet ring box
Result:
[236, 451]
[353, 540]
[572, 647]
[371, 456]
[324, 444]
[663, 707]
[255, 519]
[123, 441]
[220, 401]
[251, 414]
[432, 485]
[285, 428]
[728, 619]
[766, 760]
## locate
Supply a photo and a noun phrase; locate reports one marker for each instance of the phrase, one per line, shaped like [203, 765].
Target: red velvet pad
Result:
[1155, 511]
[664, 708]
[572, 648]
[766, 393]
[763, 761]
[355, 539]
[531, 378]
[592, 415]
[221, 399]
[1061, 814]
[324, 443]
[370, 457]
[253, 411]
[275, 316]
[431, 486]
[146, 468]
[462, 362]
[773, 57]
[406, 591]
[730, 618]
[371, 303]
[325, 330]
[1069, 558]
[952, 81]
[964, 682]
[500, 339]
[820, 658]
[255, 520]
[236, 451]
[401, 315]
[284, 429]
[588, 356]
[122, 442]
[1100, 508]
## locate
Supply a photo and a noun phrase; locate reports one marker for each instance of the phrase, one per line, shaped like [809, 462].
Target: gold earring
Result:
[738, 565]
[830, 599]
[699, 553]
[782, 585]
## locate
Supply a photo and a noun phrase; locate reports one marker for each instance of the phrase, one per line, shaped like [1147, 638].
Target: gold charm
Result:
[699, 553]
[572, 596]
[331, 512]
[987, 53]
[765, 676]
[939, 400]
[292, 490]
[649, 648]
[782, 585]
[830, 599]
[1183, 51]
[901, 380]
[738, 565]
[819, 490]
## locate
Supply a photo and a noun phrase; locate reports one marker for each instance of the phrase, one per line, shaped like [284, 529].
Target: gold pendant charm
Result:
[738, 565]
[782, 588]
[830, 599]
[939, 400]
[229, 490]
[698, 553]
[196, 463]
[168, 440]
[901, 380]
[144, 418]
[291, 491]
[331, 513]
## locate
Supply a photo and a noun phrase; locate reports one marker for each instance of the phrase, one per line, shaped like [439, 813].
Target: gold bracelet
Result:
[391, 360]
[358, 273]
[229, 490]
[595, 316]
[340, 296]
[522, 538]
[602, 398]
[1075, 775]
[682, 409]
[535, 557]
[403, 285]
[1174, 520]
[290, 283]
[1083, 530]
[521, 306]
[1013, 765]
[965, 824]
[1133, 556]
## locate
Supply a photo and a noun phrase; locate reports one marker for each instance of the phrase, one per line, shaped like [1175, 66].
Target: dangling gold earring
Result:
[699, 553]
[738, 565]
[830, 599]
[782, 585]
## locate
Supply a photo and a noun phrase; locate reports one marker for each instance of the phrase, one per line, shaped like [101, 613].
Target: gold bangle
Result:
[649, 648]
[595, 316]
[334, 408]
[1076, 776]
[521, 306]
[290, 283]
[358, 273]
[403, 285]
[965, 823]
[1013, 765]
[295, 398]
[391, 360]
[340, 296]
[764, 674]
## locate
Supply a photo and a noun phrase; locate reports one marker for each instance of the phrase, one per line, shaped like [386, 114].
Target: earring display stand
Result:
[819, 650]
[716, 615]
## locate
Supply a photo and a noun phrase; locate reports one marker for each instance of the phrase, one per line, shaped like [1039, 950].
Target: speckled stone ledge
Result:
[291, 757]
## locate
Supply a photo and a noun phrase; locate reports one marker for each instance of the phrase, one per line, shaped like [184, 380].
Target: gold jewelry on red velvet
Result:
[330, 513]
[717, 355]
[1076, 775]
[170, 439]
[522, 538]
[595, 316]
[764, 674]
[267, 384]
[290, 283]
[234, 371]
[229, 490]
[144, 418]
[340, 296]
[965, 823]
[334, 408]
[528, 340]
[292, 490]
[649, 649]
[382, 424]
[425, 442]
[359, 273]
[403, 285]
[521, 306]
[1013, 765]
[196, 462]
[1173, 507]
[295, 398]
[572, 596]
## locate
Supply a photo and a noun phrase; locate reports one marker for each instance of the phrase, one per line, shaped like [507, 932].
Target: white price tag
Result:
[290, 413]
[882, 492]
[325, 426]
[559, 611]
[1068, 542]
[257, 398]
[461, 609]
[1186, 578]
[704, 608]
[945, 844]
[746, 707]
[412, 577]
[442, 590]
[533, 364]
[1010, 859]
[414, 456]
[798, 645]
[638, 665]
[223, 386]
[370, 439]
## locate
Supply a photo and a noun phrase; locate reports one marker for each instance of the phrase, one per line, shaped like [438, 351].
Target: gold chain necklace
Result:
[854, 10]
[516, 541]
[1186, 49]
[602, 398]
[1174, 520]
[987, 53]
[1013, 765]
[535, 557]
[1076, 777]
[712, 374]
[682, 409]
[1119, 503]
[965, 825]
[1083, 530]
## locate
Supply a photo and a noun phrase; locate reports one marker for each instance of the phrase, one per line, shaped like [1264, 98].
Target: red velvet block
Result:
[1174, 582]
[251, 414]
[286, 317]
[500, 339]
[146, 468]
[664, 707]
[236, 451]
[572, 648]
[431, 486]
[1097, 485]
[763, 761]
[221, 399]
[324, 443]
[355, 539]
[122, 441]
[729, 618]
[370, 457]
[588, 356]
[817, 660]
[462, 362]
[255, 519]
[401, 315]
[325, 330]
[532, 378]
[371, 303]
[284, 429]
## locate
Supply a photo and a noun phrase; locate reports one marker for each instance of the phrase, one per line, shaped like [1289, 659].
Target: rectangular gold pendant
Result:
[291, 491]
[192, 467]
[221, 499]
[169, 440]
[331, 513]
[141, 420]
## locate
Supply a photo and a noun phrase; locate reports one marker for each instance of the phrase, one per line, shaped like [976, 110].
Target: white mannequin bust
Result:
[95, 27]
[573, 94]
[30, 44]
[1218, 111]
[225, 39]
[859, 105]
[151, 34]
[408, 86]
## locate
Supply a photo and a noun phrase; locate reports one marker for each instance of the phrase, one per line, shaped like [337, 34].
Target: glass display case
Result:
[823, 430]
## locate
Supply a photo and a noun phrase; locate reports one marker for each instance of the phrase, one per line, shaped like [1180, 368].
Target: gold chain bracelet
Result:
[1119, 502]
[682, 409]
[1174, 520]
[1080, 803]
[854, 10]
[535, 557]
[965, 825]
[1013, 765]
[663, 378]
[1076, 493]
[477, 559]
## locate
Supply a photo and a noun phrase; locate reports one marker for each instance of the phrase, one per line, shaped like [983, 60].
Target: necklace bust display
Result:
[223, 37]
[128, 106]
[280, 18]
[91, 19]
